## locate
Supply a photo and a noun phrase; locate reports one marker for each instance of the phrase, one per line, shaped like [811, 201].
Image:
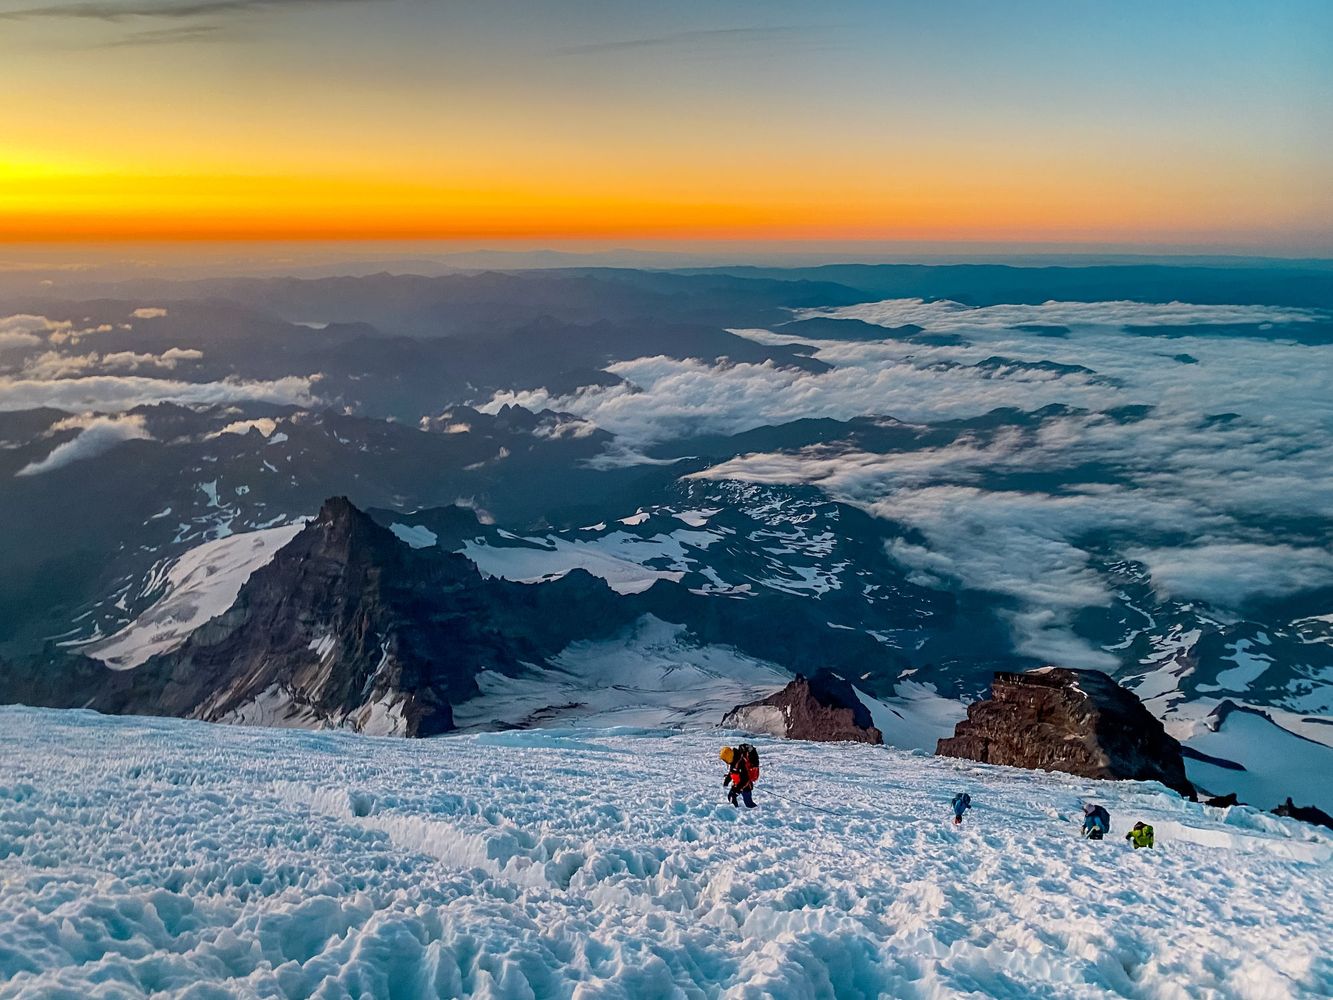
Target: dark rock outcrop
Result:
[346, 627]
[1306, 814]
[1223, 801]
[823, 708]
[1076, 721]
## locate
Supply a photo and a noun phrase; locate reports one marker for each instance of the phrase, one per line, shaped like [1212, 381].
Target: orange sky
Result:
[384, 122]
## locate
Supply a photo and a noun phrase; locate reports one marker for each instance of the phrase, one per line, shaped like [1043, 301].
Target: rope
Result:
[807, 805]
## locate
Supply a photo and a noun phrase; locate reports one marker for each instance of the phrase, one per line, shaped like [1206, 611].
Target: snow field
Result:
[200, 585]
[160, 857]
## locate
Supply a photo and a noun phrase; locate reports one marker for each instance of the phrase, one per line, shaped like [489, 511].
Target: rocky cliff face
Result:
[823, 708]
[1076, 721]
[348, 627]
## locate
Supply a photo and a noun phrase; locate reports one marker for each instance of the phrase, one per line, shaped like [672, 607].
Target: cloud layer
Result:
[40, 369]
[1228, 573]
[115, 393]
[97, 435]
[1222, 476]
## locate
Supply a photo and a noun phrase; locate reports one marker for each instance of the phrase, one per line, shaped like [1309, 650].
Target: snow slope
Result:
[621, 559]
[176, 858]
[199, 585]
[1269, 757]
[650, 676]
[654, 675]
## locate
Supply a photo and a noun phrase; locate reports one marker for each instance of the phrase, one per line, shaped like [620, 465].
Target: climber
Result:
[743, 762]
[1096, 822]
[961, 803]
[1140, 836]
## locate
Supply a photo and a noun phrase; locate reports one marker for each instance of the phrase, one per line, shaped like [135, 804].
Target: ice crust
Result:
[170, 858]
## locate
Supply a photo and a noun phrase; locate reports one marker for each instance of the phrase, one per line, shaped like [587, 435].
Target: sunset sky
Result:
[1157, 123]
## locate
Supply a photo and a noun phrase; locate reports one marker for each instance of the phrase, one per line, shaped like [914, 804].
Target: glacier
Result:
[198, 586]
[173, 858]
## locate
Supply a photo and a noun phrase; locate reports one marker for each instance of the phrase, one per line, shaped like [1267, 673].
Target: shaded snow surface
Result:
[182, 859]
[650, 675]
[1274, 762]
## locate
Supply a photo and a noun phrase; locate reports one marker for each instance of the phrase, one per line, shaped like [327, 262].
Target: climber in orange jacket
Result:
[743, 762]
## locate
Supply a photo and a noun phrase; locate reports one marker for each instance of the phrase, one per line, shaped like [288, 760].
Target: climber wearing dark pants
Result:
[1096, 822]
[743, 762]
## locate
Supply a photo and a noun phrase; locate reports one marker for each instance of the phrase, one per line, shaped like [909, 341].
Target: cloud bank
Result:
[116, 393]
[26, 331]
[1230, 573]
[97, 435]
[111, 382]
[1217, 483]
[55, 365]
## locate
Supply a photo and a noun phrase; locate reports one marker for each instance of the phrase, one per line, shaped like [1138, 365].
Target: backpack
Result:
[750, 756]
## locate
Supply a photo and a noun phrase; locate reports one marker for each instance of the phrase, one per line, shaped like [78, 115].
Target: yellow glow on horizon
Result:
[401, 120]
[59, 200]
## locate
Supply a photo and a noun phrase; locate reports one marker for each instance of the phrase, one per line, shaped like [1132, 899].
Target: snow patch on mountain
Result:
[1271, 760]
[1250, 666]
[200, 585]
[917, 717]
[652, 675]
[416, 535]
[628, 563]
[696, 518]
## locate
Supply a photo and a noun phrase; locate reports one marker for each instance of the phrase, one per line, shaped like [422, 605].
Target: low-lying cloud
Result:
[1218, 483]
[114, 381]
[1231, 573]
[97, 435]
[264, 425]
[26, 331]
[955, 317]
[57, 365]
[115, 393]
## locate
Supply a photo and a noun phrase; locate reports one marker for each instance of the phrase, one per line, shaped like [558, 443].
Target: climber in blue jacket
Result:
[1096, 821]
[961, 803]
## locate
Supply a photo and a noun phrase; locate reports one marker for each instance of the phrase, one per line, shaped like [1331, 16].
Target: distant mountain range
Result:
[632, 496]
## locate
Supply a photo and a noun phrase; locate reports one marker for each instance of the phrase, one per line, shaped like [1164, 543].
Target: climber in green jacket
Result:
[1140, 836]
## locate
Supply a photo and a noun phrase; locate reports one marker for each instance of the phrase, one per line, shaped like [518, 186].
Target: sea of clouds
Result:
[1222, 489]
[46, 363]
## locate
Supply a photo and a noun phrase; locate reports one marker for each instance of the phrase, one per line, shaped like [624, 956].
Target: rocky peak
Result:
[1076, 721]
[341, 530]
[338, 511]
[349, 627]
[823, 708]
[1306, 814]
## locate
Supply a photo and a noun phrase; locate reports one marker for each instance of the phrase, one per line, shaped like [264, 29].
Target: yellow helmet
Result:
[727, 754]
